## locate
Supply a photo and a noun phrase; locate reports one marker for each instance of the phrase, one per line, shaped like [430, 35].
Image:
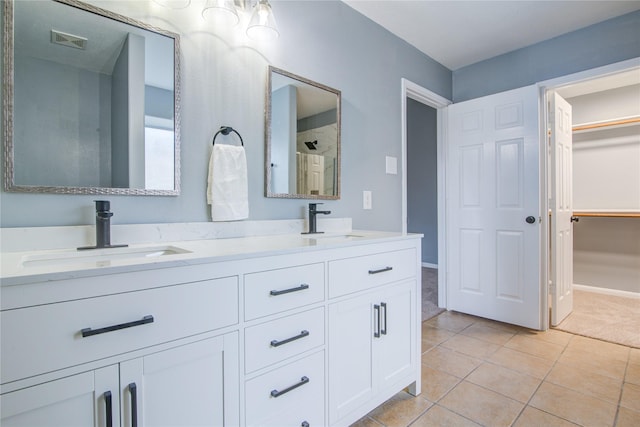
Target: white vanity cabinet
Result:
[311, 335]
[372, 332]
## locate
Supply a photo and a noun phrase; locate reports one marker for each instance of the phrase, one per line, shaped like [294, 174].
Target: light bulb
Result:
[262, 25]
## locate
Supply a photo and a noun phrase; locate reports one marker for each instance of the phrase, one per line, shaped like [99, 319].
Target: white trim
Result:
[606, 291]
[432, 99]
[430, 265]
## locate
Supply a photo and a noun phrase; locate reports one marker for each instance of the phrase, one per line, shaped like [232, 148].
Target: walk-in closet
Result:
[606, 208]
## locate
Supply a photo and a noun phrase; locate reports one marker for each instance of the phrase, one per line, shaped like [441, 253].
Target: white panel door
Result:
[493, 207]
[561, 205]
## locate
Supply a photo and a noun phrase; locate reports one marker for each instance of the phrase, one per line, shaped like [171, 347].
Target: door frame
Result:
[544, 88]
[420, 94]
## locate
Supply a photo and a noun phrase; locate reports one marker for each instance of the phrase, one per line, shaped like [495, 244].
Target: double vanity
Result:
[280, 330]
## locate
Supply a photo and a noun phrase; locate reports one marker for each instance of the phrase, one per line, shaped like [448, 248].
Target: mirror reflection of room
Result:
[304, 137]
[94, 102]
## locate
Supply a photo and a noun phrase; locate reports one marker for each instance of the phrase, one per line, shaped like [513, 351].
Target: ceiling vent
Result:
[69, 40]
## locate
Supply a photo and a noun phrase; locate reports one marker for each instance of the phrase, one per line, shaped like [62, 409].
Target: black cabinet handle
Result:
[376, 330]
[133, 390]
[276, 343]
[87, 332]
[304, 424]
[383, 305]
[286, 291]
[382, 270]
[108, 408]
[276, 393]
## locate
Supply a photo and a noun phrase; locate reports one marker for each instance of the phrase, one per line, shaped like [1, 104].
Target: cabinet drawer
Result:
[282, 338]
[290, 408]
[273, 291]
[45, 338]
[356, 274]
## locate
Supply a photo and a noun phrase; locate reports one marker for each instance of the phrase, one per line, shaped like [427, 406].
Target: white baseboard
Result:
[606, 291]
[429, 265]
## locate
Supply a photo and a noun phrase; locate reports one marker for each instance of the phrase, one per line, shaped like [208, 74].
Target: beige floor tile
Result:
[435, 384]
[366, 422]
[439, 416]
[633, 374]
[634, 356]
[602, 365]
[573, 406]
[631, 397]
[400, 410]
[451, 321]
[599, 348]
[431, 336]
[551, 335]
[450, 362]
[585, 381]
[481, 405]
[535, 347]
[486, 333]
[471, 346]
[531, 365]
[499, 325]
[627, 418]
[532, 417]
[507, 382]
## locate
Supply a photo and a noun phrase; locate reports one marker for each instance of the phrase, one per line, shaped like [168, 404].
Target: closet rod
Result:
[606, 124]
[608, 214]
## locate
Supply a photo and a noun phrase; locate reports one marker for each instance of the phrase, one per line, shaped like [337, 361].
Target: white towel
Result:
[227, 190]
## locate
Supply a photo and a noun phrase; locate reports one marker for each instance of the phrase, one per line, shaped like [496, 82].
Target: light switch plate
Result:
[366, 200]
[392, 165]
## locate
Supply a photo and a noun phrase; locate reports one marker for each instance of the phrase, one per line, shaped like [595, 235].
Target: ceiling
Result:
[460, 33]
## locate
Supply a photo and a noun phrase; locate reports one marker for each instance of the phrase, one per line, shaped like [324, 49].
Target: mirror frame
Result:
[8, 97]
[267, 138]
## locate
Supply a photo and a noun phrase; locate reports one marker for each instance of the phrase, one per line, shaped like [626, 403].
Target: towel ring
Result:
[226, 130]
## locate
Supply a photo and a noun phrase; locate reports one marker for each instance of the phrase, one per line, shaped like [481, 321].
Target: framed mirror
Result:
[302, 135]
[90, 101]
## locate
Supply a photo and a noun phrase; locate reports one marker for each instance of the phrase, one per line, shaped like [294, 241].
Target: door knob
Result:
[530, 219]
[575, 219]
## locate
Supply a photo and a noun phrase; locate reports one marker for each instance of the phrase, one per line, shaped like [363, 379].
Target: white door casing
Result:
[561, 205]
[493, 207]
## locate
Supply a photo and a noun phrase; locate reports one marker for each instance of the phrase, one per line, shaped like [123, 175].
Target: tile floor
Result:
[480, 372]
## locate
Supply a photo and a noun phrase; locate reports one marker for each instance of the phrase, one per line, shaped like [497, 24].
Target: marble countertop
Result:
[48, 265]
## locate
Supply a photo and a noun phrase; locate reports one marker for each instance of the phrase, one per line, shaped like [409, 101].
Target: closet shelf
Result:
[590, 127]
[607, 214]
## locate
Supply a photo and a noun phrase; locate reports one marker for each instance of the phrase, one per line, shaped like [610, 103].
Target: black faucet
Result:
[103, 226]
[312, 218]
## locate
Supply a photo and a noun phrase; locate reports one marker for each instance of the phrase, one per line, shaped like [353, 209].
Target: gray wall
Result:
[223, 83]
[422, 177]
[605, 43]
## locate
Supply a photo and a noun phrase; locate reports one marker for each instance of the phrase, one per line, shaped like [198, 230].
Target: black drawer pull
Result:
[276, 343]
[286, 291]
[382, 270]
[276, 393]
[134, 404]
[376, 331]
[87, 332]
[304, 424]
[108, 408]
[383, 306]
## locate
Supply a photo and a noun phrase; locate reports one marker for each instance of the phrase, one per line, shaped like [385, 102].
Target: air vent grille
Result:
[69, 40]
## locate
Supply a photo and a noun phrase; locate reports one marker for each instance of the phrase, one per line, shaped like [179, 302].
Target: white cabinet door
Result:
[351, 324]
[370, 346]
[182, 386]
[86, 399]
[394, 352]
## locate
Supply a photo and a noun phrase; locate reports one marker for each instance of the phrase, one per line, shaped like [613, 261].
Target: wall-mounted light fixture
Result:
[262, 23]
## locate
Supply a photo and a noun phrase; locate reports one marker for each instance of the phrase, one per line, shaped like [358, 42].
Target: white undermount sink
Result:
[99, 257]
[331, 237]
